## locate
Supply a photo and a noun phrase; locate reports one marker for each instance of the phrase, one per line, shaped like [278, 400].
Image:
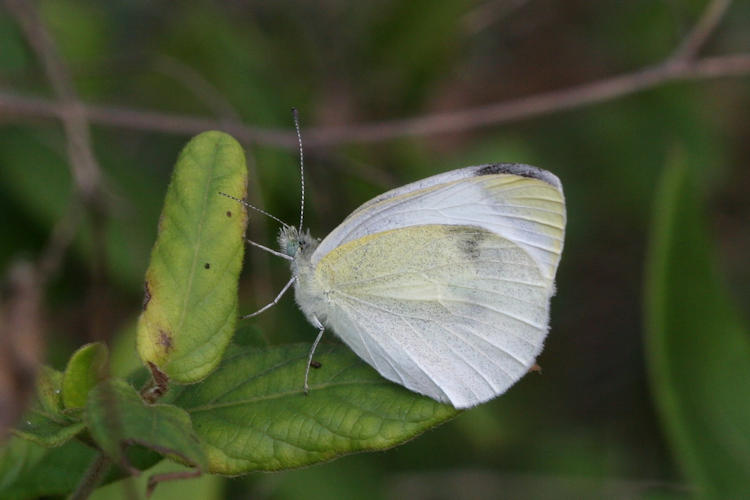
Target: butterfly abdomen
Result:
[309, 292]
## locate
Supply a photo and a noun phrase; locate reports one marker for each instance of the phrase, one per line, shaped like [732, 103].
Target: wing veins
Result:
[401, 316]
[483, 354]
[494, 327]
[484, 306]
[387, 360]
[367, 348]
[433, 268]
[483, 290]
[416, 332]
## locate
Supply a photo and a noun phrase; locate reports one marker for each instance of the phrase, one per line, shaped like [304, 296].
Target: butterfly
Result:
[442, 285]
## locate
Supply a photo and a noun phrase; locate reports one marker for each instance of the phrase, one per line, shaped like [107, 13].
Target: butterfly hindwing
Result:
[458, 313]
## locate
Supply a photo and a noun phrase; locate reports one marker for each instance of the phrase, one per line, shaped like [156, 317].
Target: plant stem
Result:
[91, 477]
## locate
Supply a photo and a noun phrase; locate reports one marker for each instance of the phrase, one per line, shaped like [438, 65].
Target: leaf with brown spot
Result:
[191, 313]
[146, 295]
[165, 340]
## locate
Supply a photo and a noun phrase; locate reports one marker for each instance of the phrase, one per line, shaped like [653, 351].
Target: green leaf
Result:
[86, 368]
[698, 350]
[116, 416]
[249, 335]
[47, 430]
[46, 423]
[205, 487]
[190, 309]
[49, 389]
[251, 413]
[28, 470]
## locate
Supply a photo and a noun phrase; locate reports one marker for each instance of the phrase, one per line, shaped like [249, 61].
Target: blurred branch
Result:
[198, 86]
[488, 13]
[682, 66]
[21, 347]
[86, 171]
[84, 167]
[24, 306]
[703, 29]
[493, 114]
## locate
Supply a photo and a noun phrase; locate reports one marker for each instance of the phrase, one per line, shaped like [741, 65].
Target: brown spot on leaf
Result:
[229, 214]
[165, 340]
[158, 385]
[207, 266]
[315, 364]
[147, 295]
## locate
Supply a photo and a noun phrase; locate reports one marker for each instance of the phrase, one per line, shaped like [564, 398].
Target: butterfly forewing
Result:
[526, 210]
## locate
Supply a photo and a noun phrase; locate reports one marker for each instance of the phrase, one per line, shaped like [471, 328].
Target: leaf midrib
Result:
[188, 291]
[279, 395]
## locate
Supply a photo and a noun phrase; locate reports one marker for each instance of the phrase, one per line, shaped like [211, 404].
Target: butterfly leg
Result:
[275, 301]
[317, 324]
[274, 252]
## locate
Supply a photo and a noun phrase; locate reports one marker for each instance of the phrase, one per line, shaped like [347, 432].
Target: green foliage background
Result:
[598, 421]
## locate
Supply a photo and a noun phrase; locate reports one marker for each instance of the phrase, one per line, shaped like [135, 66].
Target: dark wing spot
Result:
[468, 241]
[470, 247]
[165, 340]
[519, 169]
[147, 295]
[207, 266]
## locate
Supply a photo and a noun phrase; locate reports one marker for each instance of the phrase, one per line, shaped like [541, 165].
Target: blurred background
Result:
[152, 74]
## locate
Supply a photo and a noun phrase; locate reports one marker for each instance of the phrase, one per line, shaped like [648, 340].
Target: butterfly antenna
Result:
[259, 210]
[295, 114]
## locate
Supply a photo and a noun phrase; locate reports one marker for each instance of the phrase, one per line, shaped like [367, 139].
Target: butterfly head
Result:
[296, 243]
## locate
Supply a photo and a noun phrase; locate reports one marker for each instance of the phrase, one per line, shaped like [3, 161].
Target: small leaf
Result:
[46, 430]
[190, 309]
[86, 368]
[28, 470]
[117, 417]
[46, 423]
[698, 350]
[49, 390]
[251, 413]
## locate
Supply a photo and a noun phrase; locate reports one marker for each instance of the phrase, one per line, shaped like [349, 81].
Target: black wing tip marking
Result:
[520, 169]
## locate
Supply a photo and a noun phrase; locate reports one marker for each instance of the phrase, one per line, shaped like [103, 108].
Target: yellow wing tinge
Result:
[455, 312]
[439, 254]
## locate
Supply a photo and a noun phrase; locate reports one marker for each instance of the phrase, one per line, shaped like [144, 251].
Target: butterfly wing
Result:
[454, 312]
[519, 202]
[445, 287]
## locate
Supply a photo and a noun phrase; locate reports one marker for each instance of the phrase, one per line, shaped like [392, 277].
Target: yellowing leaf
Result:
[190, 308]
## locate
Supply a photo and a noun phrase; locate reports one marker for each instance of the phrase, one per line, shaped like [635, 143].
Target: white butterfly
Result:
[442, 285]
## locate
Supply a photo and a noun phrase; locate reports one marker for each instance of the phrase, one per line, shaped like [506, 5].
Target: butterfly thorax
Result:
[307, 290]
